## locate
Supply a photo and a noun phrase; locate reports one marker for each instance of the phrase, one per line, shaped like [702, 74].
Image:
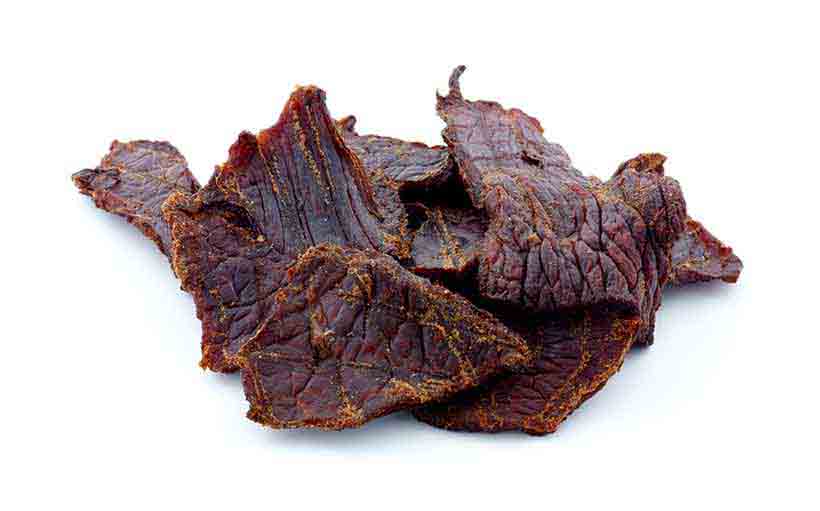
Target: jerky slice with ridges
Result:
[409, 164]
[557, 242]
[557, 239]
[575, 353]
[353, 336]
[134, 179]
[293, 186]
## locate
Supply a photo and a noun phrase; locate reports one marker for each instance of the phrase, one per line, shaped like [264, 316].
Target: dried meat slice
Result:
[698, 256]
[556, 239]
[353, 336]
[134, 179]
[291, 187]
[594, 254]
[447, 243]
[575, 353]
[412, 165]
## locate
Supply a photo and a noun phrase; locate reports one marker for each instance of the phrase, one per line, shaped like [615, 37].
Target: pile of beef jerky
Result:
[487, 285]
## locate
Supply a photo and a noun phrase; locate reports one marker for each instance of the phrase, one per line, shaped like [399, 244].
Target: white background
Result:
[103, 405]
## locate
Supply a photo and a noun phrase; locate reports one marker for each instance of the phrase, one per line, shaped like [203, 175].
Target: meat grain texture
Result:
[485, 284]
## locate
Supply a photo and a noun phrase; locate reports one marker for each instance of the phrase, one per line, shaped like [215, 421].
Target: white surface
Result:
[104, 405]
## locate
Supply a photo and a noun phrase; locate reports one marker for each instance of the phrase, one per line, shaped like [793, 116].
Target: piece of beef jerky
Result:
[293, 186]
[556, 239]
[448, 241]
[409, 164]
[134, 179]
[353, 336]
[697, 256]
[557, 242]
[575, 353]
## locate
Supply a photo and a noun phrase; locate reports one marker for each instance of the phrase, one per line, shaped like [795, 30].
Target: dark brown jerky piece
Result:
[448, 241]
[556, 239]
[409, 164]
[697, 256]
[557, 242]
[293, 186]
[641, 184]
[134, 179]
[354, 336]
[575, 354]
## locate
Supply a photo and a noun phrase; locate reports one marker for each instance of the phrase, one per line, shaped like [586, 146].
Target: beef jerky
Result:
[412, 165]
[557, 242]
[241, 246]
[575, 353]
[134, 179]
[448, 241]
[697, 256]
[290, 187]
[556, 239]
[354, 336]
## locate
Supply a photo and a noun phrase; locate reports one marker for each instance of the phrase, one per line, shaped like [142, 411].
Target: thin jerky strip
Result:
[448, 241]
[412, 165]
[698, 256]
[134, 179]
[575, 354]
[354, 336]
[293, 186]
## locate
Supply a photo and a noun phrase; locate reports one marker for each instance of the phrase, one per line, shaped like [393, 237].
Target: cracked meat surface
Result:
[308, 255]
[575, 353]
[354, 336]
[134, 179]
[410, 164]
[557, 239]
[284, 251]
[292, 186]
[557, 242]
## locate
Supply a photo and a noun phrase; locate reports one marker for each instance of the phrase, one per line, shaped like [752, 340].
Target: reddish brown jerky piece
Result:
[293, 186]
[641, 184]
[354, 336]
[134, 179]
[557, 242]
[575, 354]
[556, 239]
[448, 241]
[697, 256]
[409, 164]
